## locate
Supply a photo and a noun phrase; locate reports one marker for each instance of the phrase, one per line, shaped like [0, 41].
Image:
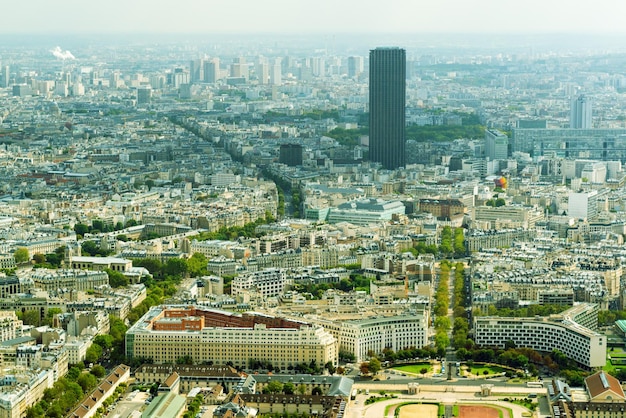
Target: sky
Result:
[313, 16]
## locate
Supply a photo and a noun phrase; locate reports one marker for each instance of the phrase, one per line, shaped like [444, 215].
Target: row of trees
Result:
[442, 133]
[442, 302]
[409, 354]
[452, 244]
[460, 328]
[97, 226]
[234, 232]
[522, 312]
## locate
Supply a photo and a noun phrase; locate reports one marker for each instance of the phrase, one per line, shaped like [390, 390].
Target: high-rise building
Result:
[212, 70]
[276, 76]
[496, 145]
[263, 72]
[144, 95]
[291, 154]
[355, 66]
[239, 68]
[5, 77]
[387, 106]
[196, 70]
[580, 113]
[318, 66]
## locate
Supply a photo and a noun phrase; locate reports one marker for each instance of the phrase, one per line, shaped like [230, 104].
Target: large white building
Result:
[166, 334]
[568, 332]
[360, 337]
[366, 211]
[583, 205]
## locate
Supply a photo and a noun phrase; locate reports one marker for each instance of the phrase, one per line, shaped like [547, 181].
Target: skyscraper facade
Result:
[387, 106]
[580, 113]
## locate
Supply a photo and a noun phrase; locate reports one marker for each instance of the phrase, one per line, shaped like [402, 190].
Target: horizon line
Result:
[315, 32]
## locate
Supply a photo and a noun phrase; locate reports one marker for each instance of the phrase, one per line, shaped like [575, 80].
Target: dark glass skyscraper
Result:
[387, 106]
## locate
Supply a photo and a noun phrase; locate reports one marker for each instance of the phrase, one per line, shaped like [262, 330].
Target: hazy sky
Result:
[317, 16]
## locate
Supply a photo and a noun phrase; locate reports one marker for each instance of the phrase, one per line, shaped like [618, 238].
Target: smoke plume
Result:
[64, 55]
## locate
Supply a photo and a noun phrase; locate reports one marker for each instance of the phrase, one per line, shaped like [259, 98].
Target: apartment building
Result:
[168, 333]
[52, 280]
[270, 282]
[10, 326]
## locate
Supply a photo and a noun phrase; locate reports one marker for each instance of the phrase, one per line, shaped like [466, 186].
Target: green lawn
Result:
[616, 353]
[480, 370]
[610, 367]
[414, 368]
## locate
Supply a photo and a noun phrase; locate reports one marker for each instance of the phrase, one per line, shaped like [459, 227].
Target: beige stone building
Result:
[166, 334]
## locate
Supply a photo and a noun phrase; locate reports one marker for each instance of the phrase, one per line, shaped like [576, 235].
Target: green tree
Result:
[374, 365]
[93, 353]
[90, 248]
[105, 341]
[330, 367]
[176, 267]
[21, 255]
[197, 265]
[39, 258]
[50, 315]
[81, 230]
[31, 318]
[87, 381]
[117, 279]
[289, 388]
[98, 371]
[274, 387]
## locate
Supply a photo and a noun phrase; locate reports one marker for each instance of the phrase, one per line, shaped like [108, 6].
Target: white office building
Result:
[270, 282]
[583, 205]
[565, 332]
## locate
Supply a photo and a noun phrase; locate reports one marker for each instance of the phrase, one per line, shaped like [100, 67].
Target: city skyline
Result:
[322, 17]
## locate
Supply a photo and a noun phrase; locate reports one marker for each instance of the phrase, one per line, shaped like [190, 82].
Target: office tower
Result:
[196, 70]
[496, 145]
[291, 154]
[263, 72]
[276, 74]
[5, 78]
[178, 77]
[239, 68]
[61, 88]
[355, 66]
[387, 106]
[144, 95]
[580, 113]
[318, 66]
[114, 80]
[212, 70]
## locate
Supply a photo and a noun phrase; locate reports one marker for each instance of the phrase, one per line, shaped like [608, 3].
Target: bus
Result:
[534, 384]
